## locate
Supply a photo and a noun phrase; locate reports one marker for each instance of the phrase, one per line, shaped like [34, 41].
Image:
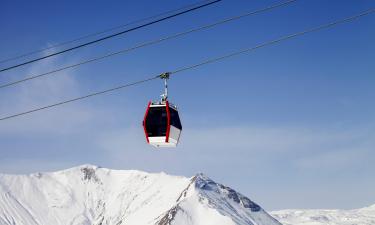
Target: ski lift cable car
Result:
[161, 123]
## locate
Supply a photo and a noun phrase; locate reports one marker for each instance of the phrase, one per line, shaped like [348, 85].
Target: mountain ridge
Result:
[361, 216]
[90, 194]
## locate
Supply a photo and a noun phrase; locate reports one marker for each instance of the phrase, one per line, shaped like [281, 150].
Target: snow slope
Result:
[364, 216]
[90, 195]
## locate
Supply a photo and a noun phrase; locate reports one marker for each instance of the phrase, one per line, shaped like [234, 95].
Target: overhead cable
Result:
[111, 36]
[145, 44]
[212, 60]
[99, 32]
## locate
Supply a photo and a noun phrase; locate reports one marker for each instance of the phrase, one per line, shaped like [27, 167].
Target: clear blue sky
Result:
[290, 125]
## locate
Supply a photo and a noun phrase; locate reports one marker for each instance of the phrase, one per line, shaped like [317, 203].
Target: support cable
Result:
[182, 69]
[111, 36]
[99, 32]
[145, 44]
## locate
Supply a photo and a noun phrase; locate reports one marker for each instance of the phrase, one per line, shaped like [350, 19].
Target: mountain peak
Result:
[91, 166]
[205, 184]
[88, 194]
[85, 166]
[203, 194]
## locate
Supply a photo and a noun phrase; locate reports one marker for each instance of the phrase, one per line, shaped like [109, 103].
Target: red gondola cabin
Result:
[162, 124]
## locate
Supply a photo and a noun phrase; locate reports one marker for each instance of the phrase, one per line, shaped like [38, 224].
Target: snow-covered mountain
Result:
[89, 195]
[364, 216]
